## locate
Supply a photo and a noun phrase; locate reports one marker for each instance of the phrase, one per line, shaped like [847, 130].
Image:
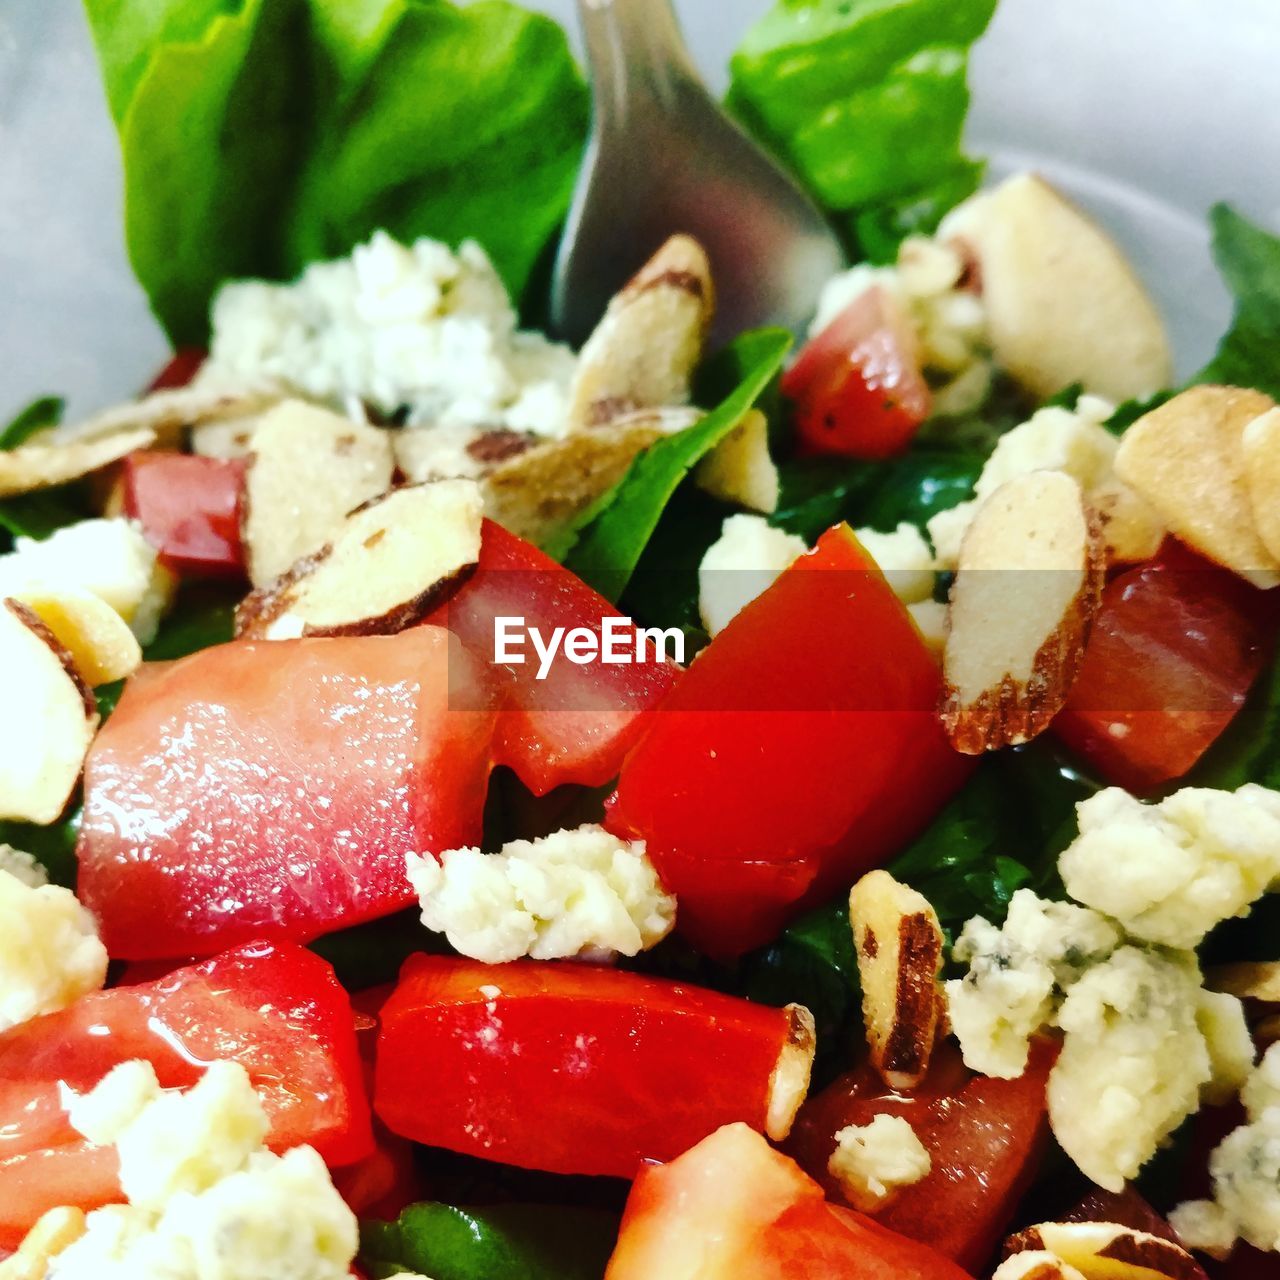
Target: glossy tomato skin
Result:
[1174, 650]
[577, 724]
[569, 1068]
[272, 789]
[857, 387]
[183, 365]
[984, 1136]
[732, 1208]
[278, 1011]
[800, 749]
[189, 510]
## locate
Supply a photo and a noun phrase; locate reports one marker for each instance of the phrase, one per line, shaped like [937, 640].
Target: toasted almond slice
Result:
[225, 438]
[1026, 590]
[1131, 530]
[1108, 1251]
[899, 943]
[930, 617]
[308, 469]
[100, 643]
[1186, 458]
[789, 1083]
[52, 1233]
[1260, 443]
[390, 563]
[169, 413]
[445, 453]
[1035, 1264]
[49, 715]
[538, 492]
[40, 466]
[1248, 980]
[739, 469]
[644, 350]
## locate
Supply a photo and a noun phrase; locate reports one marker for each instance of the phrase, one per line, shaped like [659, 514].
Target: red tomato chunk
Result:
[568, 1067]
[272, 789]
[278, 1011]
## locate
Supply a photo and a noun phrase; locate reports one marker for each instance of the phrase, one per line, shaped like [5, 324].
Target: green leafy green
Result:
[54, 846]
[258, 135]
[497, 1242]
[44, 412]
[39, 514]
[1249, 259]
[606, 551]
[201, 617]
[866, 100]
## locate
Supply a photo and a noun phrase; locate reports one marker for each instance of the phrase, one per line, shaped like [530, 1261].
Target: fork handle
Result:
[637, 57]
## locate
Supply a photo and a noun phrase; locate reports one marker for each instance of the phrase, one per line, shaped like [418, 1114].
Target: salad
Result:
[471, 808]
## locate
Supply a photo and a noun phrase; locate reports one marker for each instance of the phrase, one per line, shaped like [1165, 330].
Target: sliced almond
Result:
[443, 453]
[100, 643]
[644, 351]
[226, 438]
[41, 466]
[899, 944]
[308, 469]
[1131, 530]
[1248, 980]
[389, 564]
[53, 1232]
[1260, 443]
[789, 1083]
[539, 492]
[739, 469]
[1108, 1251]
[1027, 586]
[1035, 1264]
[49, 716]
[930, 617]
[1187, 460]
[169, 413]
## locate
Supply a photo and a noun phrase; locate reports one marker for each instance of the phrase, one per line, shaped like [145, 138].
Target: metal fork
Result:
[664, 157]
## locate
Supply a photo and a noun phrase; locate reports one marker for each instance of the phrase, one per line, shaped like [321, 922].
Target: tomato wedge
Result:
[732, 1208]
[800, 749]
[183, 365]
[857, 386]
[573, 1068]
[272, 790]
[1174, 650]
[189, 510]
[577, 724]
[984, 1136]
[278, 1011]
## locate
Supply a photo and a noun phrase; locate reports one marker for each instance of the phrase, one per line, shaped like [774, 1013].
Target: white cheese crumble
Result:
[50, 952]
[392, 326]
[570, 893]
[873, 1161]
[22, 866]
[904, 558]
[1170, 872]
[1245, 1168]
[107, 557]
[927, 283]
[748, 557]
[206, 1200]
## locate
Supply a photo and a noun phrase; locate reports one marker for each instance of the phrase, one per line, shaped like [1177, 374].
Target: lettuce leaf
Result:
[1249, 259]
[258, 135]
[866, 100]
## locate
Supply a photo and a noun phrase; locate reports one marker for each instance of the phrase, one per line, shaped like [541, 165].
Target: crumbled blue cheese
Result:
[747, 558]
[904, 558]
[874, 1161]
[1170, 872]
[391, 326]
[1245, 1168]
[109, 558]
[568, 894]
[50, 952]
[207, 1201]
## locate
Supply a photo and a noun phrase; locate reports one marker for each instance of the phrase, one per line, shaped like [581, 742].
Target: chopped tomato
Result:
[571, 1068]
[182, 367]
[800, 749]
[732, 1208]
[278, 1011]
[1174, 650]
[576, 724]
[272, 789]
[189, 510]
[857, 386]
[984, 1137]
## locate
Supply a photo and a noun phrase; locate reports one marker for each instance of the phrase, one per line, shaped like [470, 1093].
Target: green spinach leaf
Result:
[53, 846]
[44, 412]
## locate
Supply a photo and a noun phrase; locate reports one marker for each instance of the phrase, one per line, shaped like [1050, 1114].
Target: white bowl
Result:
[1146, 112]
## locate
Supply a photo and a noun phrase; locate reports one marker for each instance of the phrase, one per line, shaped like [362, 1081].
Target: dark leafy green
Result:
[866, 100]
[39, 514]
[258, 135]
[371, 954]
[1249, 259]
[1249, 749]
[606, 551]
[54, 846]
[44, 412]
[498, 1242]
[201, 617]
